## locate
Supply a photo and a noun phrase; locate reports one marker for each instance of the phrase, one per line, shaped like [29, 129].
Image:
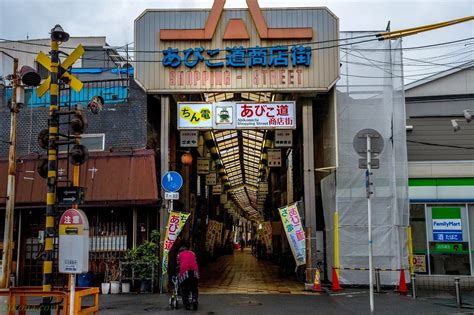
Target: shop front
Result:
[442, 219]
[121, 203]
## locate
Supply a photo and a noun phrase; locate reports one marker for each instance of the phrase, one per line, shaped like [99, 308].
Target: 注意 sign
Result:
[176, 223]
[294, 232]
[73, 242]
[274, 115]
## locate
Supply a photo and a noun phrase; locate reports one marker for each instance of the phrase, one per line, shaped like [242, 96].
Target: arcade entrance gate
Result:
[240, 60]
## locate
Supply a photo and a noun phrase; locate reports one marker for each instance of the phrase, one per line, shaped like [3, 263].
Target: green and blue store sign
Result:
[447, 225]
[432, 190]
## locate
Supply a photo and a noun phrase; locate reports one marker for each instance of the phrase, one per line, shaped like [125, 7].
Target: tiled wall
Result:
[443, 281]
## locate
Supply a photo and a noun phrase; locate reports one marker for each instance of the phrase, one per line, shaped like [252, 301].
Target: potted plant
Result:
[144, 261]
[113, 274]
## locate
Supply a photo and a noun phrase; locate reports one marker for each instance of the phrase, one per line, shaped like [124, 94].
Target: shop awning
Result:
[118, 178]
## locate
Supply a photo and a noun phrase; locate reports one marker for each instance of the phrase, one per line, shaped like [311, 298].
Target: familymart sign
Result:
[447, 224]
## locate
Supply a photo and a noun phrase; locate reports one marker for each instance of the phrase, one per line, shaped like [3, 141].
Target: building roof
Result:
[439, 75]
[120, 178]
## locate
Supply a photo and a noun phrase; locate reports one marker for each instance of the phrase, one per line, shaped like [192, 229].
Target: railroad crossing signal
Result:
[63, 73]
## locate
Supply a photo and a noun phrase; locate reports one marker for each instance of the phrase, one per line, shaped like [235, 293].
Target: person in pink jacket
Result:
[188, 277]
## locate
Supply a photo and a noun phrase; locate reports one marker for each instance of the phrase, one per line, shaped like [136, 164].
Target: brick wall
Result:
[124, 124]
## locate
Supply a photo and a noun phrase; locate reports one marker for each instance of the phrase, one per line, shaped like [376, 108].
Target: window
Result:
[93, 142]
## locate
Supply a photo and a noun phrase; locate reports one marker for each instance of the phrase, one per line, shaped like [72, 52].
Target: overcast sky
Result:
[114, 18]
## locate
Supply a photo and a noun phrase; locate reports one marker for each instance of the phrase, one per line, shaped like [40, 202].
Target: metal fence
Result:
[113, 91]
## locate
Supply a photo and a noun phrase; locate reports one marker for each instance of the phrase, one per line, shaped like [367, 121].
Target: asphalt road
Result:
[353, 302]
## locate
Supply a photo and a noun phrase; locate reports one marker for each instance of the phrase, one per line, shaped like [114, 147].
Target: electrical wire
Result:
[417, 47]
[313, 49]
[467, 67]
[214, 59]
[377, 63]
[158, 51]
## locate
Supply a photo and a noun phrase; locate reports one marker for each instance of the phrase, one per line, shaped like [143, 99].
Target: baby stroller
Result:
[175, 295]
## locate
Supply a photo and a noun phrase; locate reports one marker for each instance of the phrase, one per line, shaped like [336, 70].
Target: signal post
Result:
[57, 72]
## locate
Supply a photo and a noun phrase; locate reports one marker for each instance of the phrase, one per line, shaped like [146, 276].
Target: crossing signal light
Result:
[42, 167]
[78, 155]
[43, 139]
[78, 123]
[29, 76]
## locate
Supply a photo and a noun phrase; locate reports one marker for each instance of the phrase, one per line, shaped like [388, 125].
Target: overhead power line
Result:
[313, 49]
[441, 145]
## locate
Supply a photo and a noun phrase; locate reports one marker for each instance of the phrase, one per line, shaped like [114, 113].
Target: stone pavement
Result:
[354, 302]
[243, 273]
[240, 284]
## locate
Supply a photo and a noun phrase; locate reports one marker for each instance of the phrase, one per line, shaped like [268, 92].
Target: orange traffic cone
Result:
[317, 282]
[335, 281]
[402, 286]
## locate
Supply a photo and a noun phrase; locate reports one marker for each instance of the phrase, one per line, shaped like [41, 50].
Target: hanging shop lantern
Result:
[187, 159]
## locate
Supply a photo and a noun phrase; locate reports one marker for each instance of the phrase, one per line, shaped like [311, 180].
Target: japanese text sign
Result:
[214, 229]
[73, 242]
[217, 50]
[176, 222]
[194, 116]
[239, 57]
[294, 231]
[274, 157]
[266, 233]
[419, 263]
[283, 139]
[203, 165]
[274, 115]
[188, 138]
[211, 179]
[230, 115]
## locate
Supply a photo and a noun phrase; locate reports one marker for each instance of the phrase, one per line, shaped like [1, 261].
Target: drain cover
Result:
[248, 303]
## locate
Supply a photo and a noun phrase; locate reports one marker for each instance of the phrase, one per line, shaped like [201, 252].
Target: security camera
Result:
[58, 34]
[467, 115]
[455, 125]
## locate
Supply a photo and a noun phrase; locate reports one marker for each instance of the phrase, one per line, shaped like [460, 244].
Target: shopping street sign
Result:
[237, 115]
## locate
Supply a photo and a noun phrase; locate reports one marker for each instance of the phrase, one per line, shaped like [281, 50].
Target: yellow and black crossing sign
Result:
[67, 77]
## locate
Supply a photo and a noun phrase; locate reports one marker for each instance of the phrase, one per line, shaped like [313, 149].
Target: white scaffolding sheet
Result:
[369, 95]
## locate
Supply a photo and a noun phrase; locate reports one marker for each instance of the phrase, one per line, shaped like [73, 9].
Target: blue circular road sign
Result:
[171, 181]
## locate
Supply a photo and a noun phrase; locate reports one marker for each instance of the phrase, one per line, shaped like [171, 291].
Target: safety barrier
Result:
[402, 286]
[18, 300]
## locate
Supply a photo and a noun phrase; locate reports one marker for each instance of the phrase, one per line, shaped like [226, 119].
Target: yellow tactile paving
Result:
[242, 273]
